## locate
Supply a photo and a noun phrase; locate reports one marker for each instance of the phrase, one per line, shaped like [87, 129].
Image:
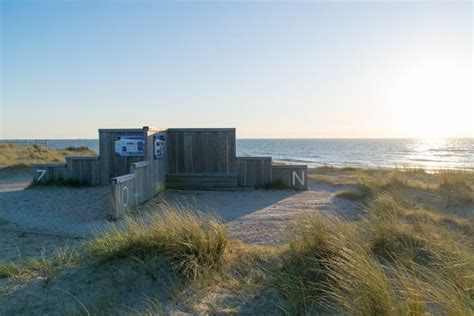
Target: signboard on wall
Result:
[129, 146]
[159, 146]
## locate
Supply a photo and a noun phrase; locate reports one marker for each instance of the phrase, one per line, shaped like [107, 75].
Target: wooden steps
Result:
[200, 181]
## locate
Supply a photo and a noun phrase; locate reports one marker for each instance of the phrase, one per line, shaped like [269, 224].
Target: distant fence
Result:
[25, 142]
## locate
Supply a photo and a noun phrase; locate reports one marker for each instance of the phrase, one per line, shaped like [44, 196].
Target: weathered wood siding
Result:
[53, 172]
[133, 189]
[201, 158]
[158, 166]
[201, 181]
[83, 170]
[254, 171]
[144, 179]
[80, 170]
[291, 176]
[124, 195]
[110, 165]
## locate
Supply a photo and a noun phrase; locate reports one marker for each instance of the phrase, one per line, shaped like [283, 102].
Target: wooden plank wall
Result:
[54, 172]
[201, 181]
[144, 179]
[158, 166]
[133, 189]
[192, 151]
[110, 165]
[124, 195]
[83, 170]
[201, 158]
[254, 171]
[79, 170]
[291, 176]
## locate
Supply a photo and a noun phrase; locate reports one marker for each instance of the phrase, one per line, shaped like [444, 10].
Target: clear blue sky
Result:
[299, 69]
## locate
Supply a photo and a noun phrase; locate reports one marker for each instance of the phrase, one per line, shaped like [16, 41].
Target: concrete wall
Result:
[291, 176]
[254, 171]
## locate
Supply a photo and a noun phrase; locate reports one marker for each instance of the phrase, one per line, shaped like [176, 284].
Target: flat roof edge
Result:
[193, 129]
[121, 130]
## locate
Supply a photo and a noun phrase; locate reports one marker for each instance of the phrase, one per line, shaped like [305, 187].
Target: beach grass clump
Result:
[458, 186]
[351, 195]
[12, 155]
[194, 243]
[303, 273]
[9, 269]
[46, 266]
[58, 182]
[327, 269]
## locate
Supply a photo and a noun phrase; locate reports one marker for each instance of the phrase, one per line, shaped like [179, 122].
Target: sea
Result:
[453, 153]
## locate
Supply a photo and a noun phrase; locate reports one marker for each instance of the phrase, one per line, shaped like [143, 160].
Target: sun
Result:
[431, 99]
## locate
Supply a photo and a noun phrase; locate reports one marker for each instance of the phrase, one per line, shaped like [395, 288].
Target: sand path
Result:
[254, 216]
[262, 216]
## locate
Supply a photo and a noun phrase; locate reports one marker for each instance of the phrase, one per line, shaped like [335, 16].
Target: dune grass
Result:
[352, 195]
[45, 266]
[193, 243]
[384, 265]
[454, 187]
[12, 155]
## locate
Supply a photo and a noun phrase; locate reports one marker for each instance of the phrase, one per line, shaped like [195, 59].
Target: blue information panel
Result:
[129, 146]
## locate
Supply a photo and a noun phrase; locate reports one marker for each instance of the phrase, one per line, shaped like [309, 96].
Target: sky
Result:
[315, 69]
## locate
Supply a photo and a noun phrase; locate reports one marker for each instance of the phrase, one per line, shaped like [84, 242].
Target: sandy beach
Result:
[253, 216]
[37, 221]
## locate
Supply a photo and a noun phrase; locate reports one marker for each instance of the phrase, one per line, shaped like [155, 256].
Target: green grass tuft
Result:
[9, 269]
[352, 195]
[278, 185]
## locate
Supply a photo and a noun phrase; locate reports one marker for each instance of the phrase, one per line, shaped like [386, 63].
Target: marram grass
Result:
[194, 243]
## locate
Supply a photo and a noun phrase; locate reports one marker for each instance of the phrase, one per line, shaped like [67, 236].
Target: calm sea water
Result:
[430, 154]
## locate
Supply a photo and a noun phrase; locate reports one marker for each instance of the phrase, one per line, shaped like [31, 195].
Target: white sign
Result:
[300, 180]
[42, 173]
[159, 146]
[129, 146]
